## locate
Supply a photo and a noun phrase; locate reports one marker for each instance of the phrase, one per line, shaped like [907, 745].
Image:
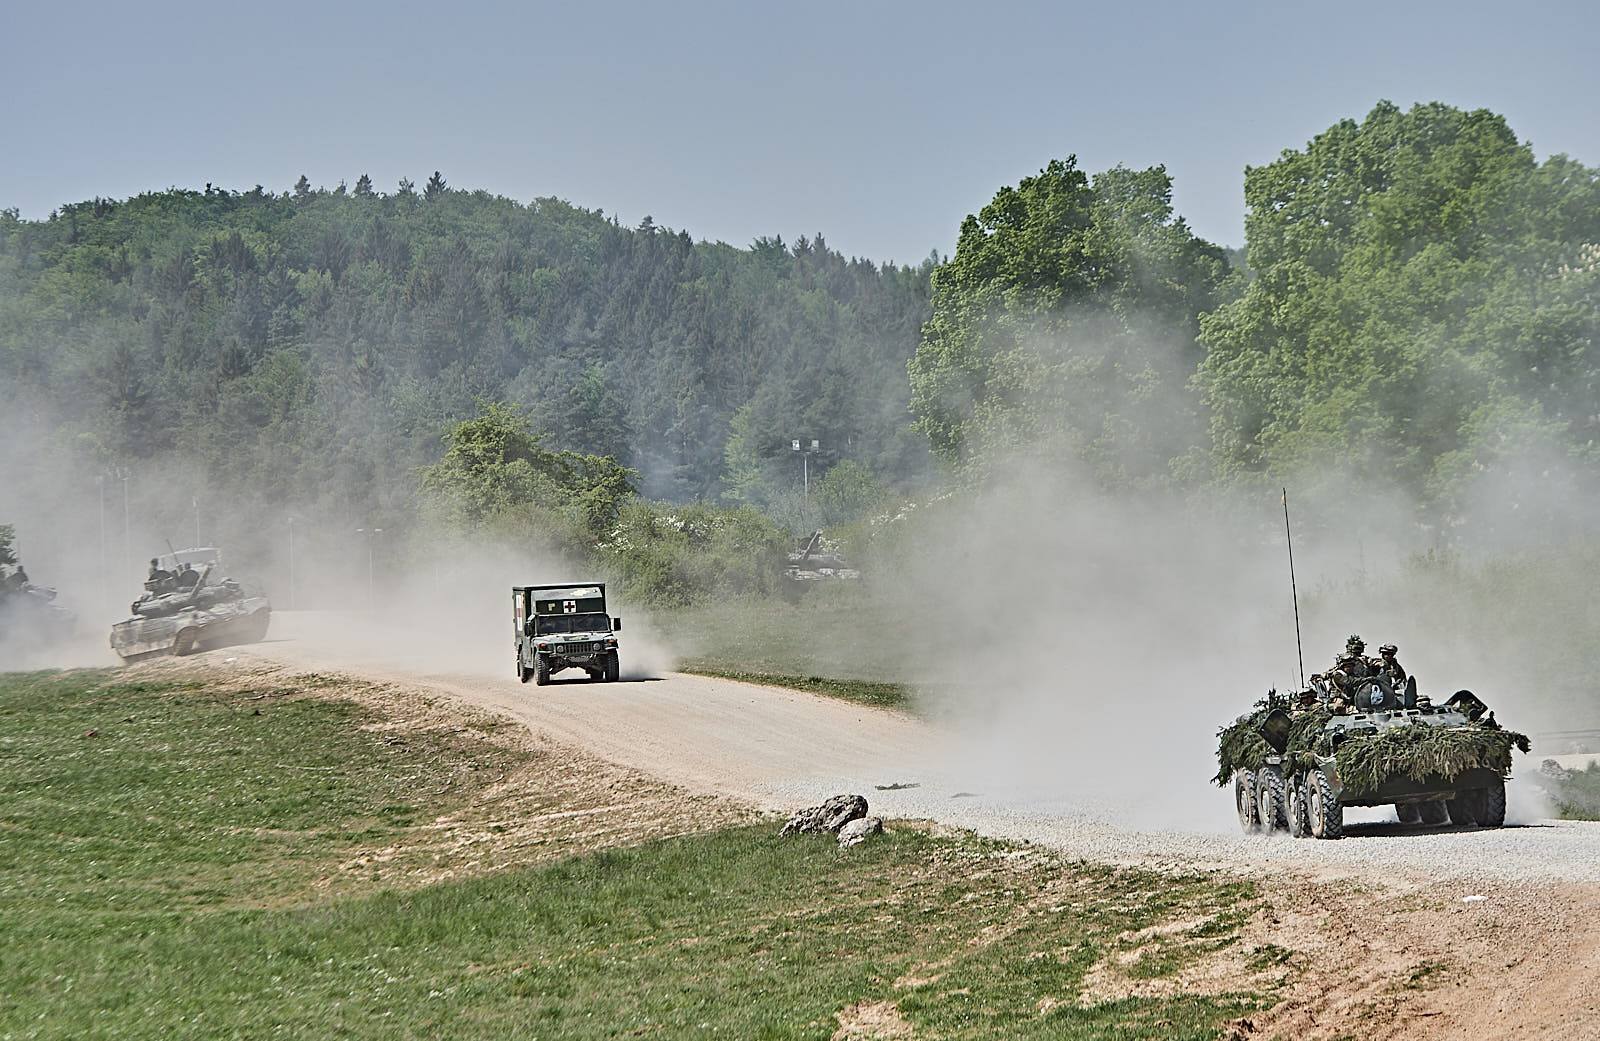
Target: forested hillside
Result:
[1416, 311]
[313, 346]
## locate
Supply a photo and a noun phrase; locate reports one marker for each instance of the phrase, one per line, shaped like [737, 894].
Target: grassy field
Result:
[835, 640]
[182, 861]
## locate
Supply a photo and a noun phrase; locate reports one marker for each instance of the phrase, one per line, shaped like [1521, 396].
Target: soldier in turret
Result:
[159, 580]
[1387, 665]
[1351, 666]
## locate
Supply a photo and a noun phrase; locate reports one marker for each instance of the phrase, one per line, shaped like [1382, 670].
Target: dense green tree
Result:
[495, 461]
[1426, 301]
[1066, 321]
[435, 187]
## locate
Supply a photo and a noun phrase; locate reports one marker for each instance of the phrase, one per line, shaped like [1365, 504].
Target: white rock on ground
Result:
[859, 831]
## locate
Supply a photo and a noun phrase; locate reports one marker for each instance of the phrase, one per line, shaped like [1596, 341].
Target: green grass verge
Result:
[1576, 793]
[886, 695]
[841, 640]
[177, 875]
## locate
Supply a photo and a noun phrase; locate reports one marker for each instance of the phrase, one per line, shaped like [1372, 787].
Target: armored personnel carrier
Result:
[1295, 763]
[564, 627]
[184, 610]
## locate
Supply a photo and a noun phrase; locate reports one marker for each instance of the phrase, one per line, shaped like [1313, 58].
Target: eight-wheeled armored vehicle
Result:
[564, 627]
[1295, 763]
[185, 610]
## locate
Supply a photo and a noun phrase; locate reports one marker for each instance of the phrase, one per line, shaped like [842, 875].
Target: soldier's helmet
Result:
[1355, 644]
[1387, 649]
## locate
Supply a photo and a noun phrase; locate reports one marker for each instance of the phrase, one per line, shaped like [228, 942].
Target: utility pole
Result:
[291, 562]
[805, 453]
[370, 533]
[105, 579]
[196, 501]
[127, 531]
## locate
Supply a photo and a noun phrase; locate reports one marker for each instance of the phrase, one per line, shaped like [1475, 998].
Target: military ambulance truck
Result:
[564, 627]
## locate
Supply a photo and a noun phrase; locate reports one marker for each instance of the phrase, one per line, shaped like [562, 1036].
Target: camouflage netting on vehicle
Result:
[1365, 762]
[1419, 752]
[1240, 746]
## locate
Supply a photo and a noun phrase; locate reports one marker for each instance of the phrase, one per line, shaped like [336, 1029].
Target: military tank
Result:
[29, 612]
[1295, 763]
[180, 617]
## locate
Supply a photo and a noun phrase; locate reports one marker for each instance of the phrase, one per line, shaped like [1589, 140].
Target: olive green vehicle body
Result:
[1296, 771]
[559, 627]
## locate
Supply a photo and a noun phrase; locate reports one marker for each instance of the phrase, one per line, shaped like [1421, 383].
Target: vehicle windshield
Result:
[561, 624]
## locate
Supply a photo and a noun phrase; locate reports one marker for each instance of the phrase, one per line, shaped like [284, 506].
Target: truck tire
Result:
[613, 667]
[1273, 800]
[1244, 801]
[1493, 805]
[1327, 814]
[1433, 813]
[541, 670]
[1464, 809]
[1299, 813]
[523, 672]
[1408, 812]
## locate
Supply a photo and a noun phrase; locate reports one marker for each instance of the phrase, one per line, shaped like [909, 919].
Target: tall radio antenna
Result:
[1294, 591]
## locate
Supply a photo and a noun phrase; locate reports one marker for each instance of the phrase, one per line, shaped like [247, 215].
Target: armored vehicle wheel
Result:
[523, 672]
[541, 671]
[1408, 812]
[1299, 813]
[1433, 812]
[1464, 808]
[1493, 805]
[1272, 800]
[1327, 815]
[613, 668]
[1244, 800]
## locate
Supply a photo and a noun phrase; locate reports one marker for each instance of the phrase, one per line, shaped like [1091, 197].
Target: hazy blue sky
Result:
[878, 124]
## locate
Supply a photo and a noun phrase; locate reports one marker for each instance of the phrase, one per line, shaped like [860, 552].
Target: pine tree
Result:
[302, 188]
[364, 186]
[435, 187]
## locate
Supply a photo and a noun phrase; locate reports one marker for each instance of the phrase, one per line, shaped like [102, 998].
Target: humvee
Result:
[564, 627]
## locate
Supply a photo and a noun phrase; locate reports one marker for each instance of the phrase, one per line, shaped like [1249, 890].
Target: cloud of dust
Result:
[405, 597]
[449, 611]
[1085, 645]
